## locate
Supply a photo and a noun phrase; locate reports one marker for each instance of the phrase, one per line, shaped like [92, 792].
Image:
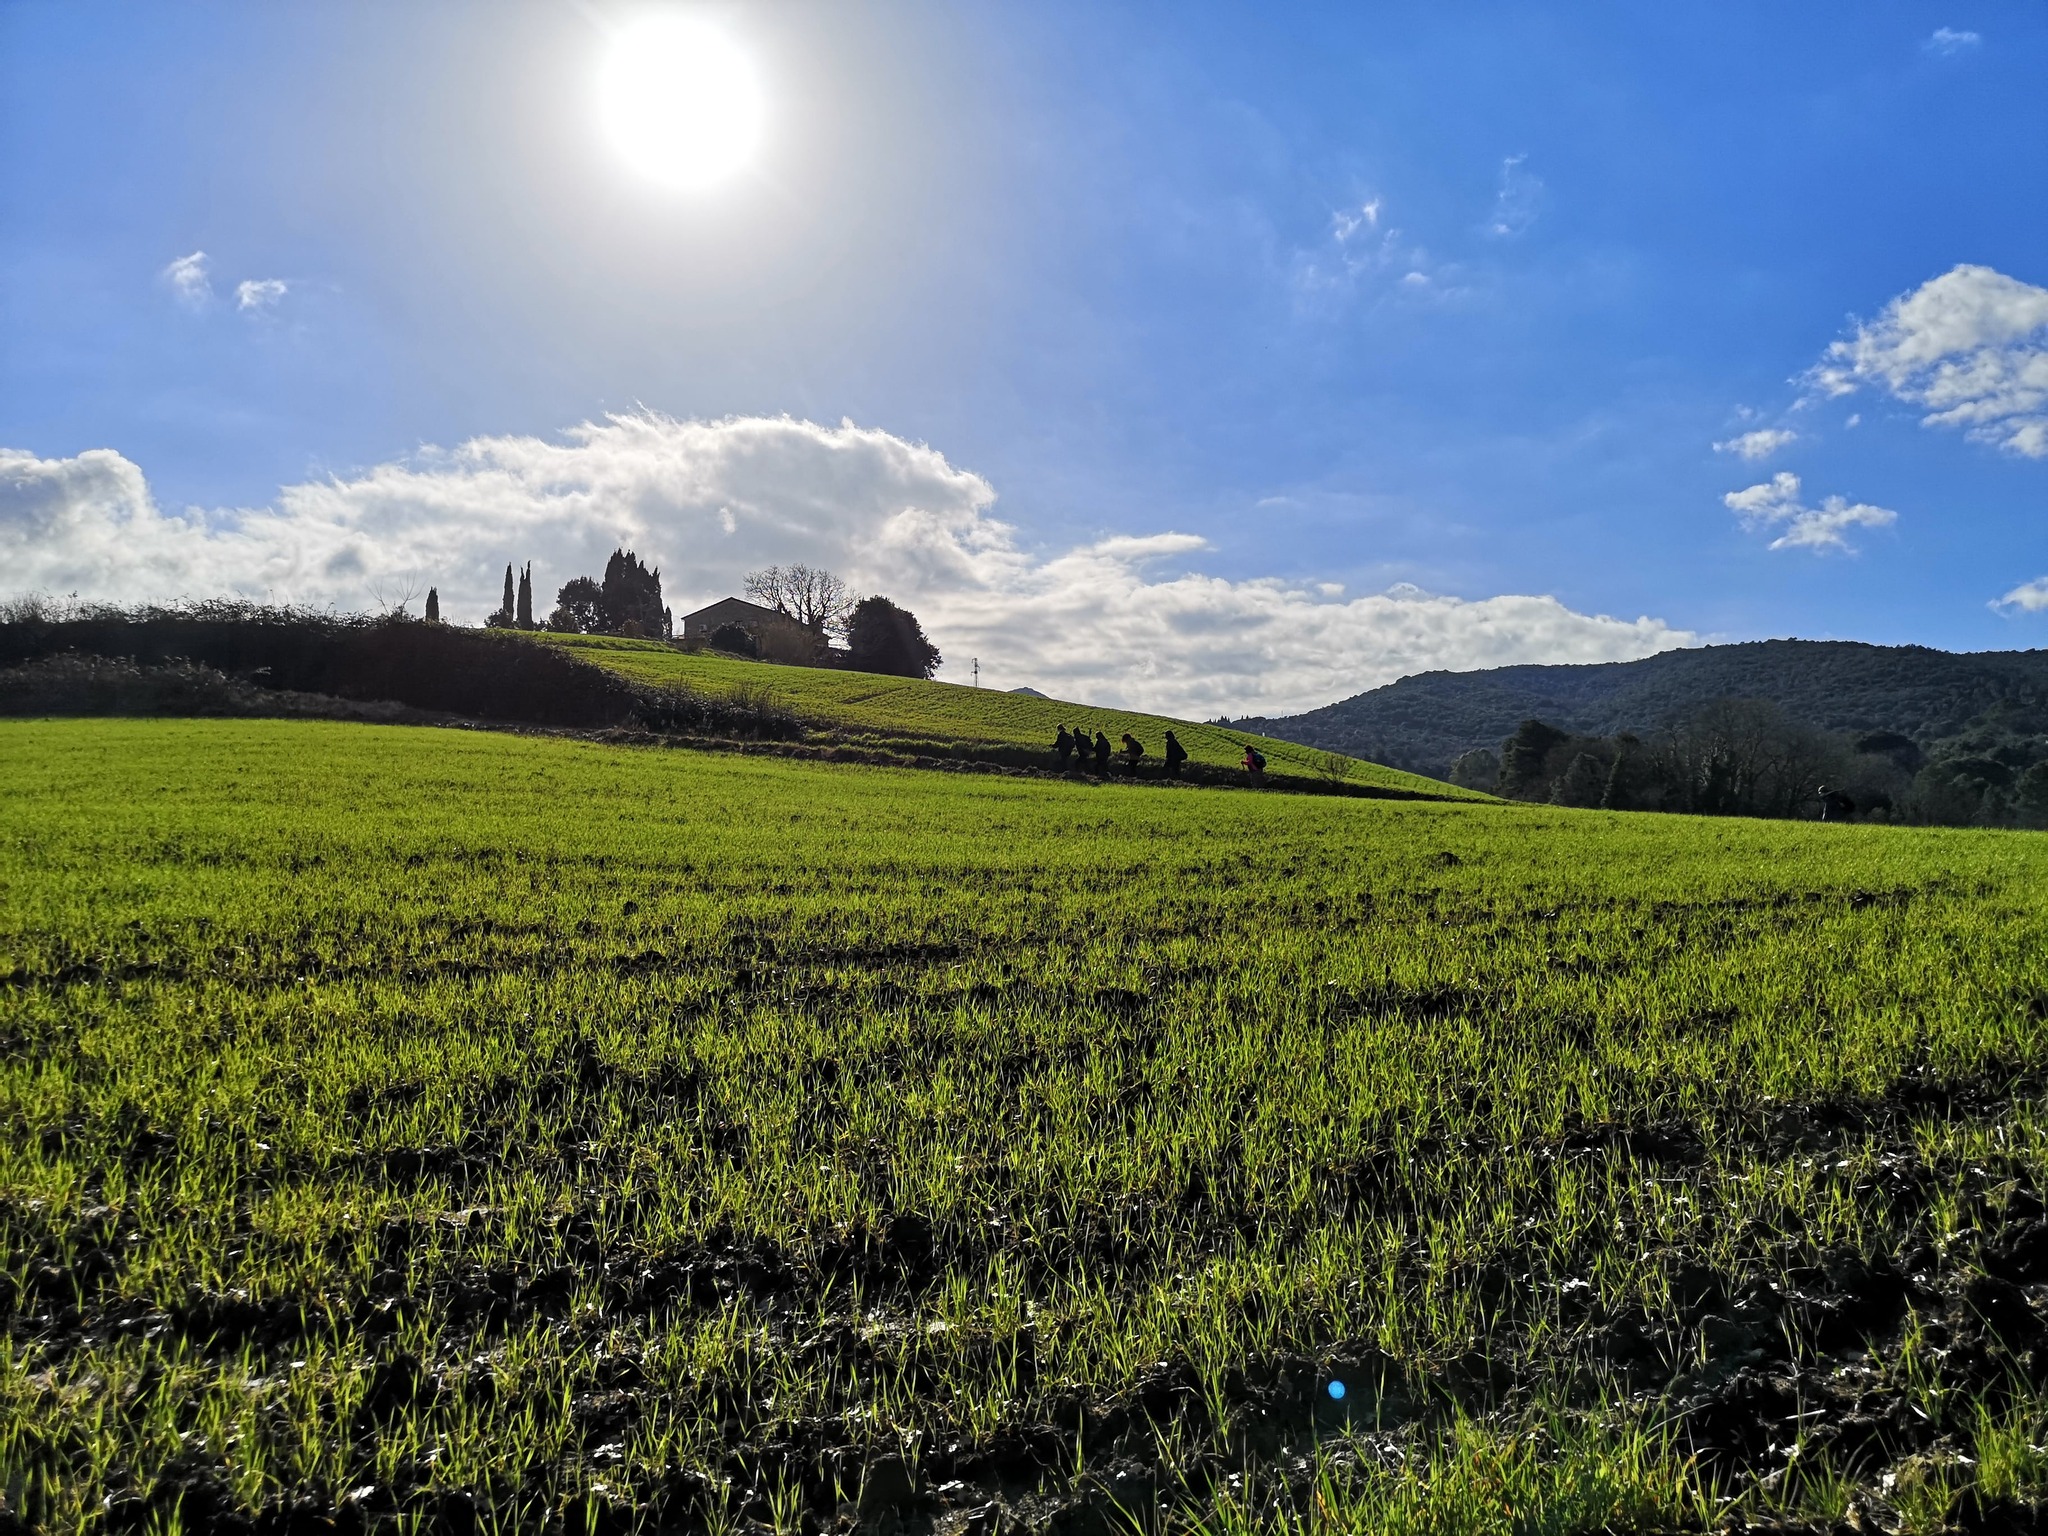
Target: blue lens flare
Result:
[1337, 1391]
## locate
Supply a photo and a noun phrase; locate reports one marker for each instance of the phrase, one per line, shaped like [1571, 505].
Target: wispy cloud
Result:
[1947, 41]
[1361, 248]
[1970, 347]
[259, 292]
[2028, 597]
[1348, 223]
[1517, 200]
[1760, 444]
[1775, 504]
[188, 280]
[1125, 620]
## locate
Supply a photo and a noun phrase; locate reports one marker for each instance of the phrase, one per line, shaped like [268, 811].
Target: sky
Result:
[1203, 358]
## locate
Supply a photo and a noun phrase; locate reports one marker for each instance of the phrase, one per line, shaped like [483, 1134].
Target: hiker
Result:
[1176, 754]
[1064, 745]
[1834, 805]
[1134, 749]
[1254, 764]
[1101, 753]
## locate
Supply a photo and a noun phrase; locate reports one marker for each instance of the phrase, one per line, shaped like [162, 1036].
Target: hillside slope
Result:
[913, 713]
[1423, 723]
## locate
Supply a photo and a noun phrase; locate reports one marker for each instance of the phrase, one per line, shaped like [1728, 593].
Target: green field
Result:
[913, 713]
[422, 1129]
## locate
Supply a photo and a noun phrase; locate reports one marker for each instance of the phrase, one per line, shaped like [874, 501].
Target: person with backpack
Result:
[1176, 754]
[1254, 764]
[1101, 752]
[1134, 749]
[1063, 744]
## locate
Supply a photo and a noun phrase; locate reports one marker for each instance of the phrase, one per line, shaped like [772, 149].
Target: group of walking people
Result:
[1075, 746]
[1080, 749]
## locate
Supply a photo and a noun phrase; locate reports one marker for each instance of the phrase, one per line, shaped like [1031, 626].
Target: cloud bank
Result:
[1122, 621]
[1970, 347]
[1776, 503]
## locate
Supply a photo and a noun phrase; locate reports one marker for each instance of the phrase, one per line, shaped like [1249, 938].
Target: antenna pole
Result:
[977, 671]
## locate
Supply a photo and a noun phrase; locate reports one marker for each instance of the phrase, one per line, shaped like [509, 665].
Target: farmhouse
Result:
[779, 637]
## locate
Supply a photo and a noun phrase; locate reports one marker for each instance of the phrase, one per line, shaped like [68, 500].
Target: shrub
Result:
[736, 639]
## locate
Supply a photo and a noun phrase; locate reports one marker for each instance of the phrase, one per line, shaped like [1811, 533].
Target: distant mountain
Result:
[1422, 723]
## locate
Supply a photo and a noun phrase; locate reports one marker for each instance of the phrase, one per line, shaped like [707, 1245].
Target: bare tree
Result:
[397, 599]
[814, 597]
[1333, 768]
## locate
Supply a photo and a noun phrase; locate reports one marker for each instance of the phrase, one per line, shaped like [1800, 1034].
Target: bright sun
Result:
[680, 102]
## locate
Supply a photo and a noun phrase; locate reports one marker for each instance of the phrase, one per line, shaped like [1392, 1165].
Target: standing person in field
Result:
[1064, 745]
[1176, 754]
[1134, 749]
[1254, 764]
[1101, 753]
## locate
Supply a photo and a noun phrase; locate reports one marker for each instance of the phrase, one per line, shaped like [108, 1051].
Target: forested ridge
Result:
[1908, 722]
[1425, 722]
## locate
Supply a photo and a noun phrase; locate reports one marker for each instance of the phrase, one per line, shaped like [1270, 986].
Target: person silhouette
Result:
[1101, 753]
[1064, 745]
[1134, 749]
[1176, 754]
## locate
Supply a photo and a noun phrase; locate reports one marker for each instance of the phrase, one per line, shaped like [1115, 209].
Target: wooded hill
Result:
[1426, 722]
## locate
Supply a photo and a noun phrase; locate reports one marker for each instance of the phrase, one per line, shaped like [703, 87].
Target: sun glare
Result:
[680, 101]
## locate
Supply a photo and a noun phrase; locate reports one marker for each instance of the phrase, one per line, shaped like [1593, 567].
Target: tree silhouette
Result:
[881, 637]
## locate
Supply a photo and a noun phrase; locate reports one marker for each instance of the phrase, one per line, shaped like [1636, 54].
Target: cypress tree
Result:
[510, 603]
[525, 619]
[433, 605]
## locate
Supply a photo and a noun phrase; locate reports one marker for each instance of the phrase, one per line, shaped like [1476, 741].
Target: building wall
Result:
[780, 638]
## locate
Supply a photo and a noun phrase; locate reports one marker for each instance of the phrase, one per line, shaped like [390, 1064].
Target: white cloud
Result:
[259, 292]
[1776, 502]
[2028, 597]
[1361, 249]
[188, 280]
[1760, 444]
[1517, 200]
[1122, 620]
[1947, 41]
[1347, 223]
[1970, 347]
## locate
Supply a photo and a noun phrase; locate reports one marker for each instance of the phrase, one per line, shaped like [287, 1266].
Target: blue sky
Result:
[1214, 357]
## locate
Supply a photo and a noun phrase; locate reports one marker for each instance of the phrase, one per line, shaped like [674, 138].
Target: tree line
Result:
[1748, 757]
[626, 602]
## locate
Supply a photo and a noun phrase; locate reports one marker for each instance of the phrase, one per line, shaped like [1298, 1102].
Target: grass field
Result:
[440, 1130]
[912, 713]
